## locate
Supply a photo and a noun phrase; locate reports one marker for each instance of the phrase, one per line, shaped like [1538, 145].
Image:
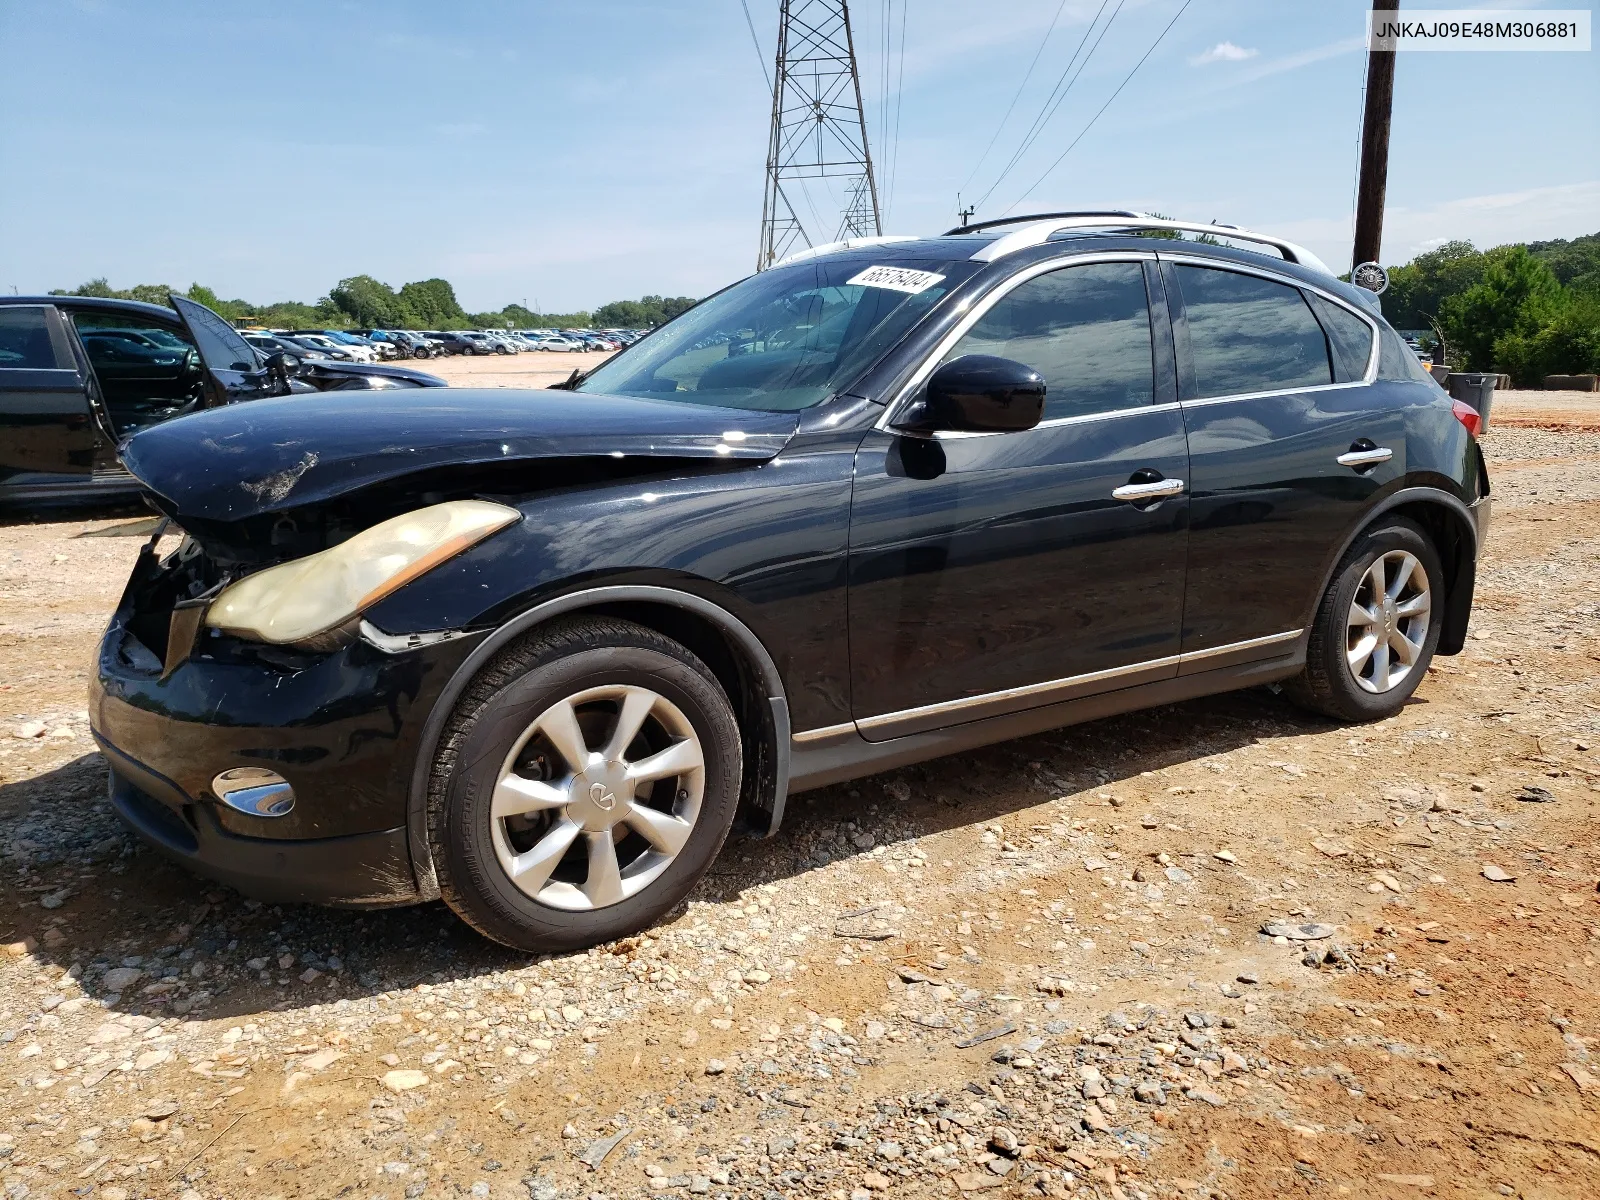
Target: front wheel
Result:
[1376, 627]
[583, 785]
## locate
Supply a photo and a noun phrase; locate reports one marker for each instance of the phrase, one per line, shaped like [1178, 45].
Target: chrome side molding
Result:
[1041, 690]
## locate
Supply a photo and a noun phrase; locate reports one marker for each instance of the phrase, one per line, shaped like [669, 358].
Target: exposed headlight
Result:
[300, 599]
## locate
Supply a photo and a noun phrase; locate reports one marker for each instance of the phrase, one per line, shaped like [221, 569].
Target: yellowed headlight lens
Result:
[300, 599]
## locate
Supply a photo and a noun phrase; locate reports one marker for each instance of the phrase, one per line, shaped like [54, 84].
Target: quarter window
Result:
[1248, 334]
[1085, 329]
[1349, 338]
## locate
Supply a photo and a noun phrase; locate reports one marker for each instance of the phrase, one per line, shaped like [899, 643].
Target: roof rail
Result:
[1088, 212]
[846, 244]
[1037, 232]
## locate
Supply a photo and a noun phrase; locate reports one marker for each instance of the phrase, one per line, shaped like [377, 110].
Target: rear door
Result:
[46, 423]
[1289, 440]
[235, 371]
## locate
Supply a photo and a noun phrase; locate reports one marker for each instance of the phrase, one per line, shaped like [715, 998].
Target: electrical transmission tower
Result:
[819, 130]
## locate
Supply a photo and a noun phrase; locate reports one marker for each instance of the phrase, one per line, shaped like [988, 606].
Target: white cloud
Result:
[1223, 52]
[1534, 214]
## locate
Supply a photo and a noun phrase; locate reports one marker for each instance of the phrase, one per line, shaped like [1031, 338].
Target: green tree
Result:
[1576, 263]
[1565, 342]
[370, 303]
[433, 304]
[646, 312]
[95, 287]
[1420, 287]
[1517, 296]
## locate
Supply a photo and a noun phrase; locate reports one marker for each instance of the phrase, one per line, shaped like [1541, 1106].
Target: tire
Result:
[509, 726]
[1340, 681]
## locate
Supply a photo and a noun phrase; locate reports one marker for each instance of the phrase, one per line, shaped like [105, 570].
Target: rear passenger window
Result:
[1248, 334]
[1085, 329]
[25, 343]
[1349, 338]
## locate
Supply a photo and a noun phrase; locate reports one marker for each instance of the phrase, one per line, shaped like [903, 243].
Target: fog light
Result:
[255, 791]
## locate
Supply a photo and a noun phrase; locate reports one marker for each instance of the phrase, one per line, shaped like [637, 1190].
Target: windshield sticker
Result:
[897, 279]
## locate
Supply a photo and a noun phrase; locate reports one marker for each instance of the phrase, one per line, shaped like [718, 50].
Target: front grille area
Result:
[156, 588]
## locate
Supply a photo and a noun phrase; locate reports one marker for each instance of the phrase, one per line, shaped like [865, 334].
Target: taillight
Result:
[1468, 416]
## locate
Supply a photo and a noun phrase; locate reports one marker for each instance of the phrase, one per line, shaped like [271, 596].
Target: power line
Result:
[1159, 37]
[899, 102]
[756, 42]
[1026, 75]
[1058, 94]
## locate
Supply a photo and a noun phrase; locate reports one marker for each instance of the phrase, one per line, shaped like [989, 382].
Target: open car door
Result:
[47, 426]
[234, 370]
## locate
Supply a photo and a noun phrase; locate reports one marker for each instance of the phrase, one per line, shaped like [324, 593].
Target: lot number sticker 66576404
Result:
[898, 279]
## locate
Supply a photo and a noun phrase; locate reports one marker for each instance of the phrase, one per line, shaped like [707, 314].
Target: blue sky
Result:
[572, 153]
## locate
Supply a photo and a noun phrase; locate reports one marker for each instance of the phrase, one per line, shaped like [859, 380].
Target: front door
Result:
[991, 573]
[46, 424]
[1286, 442]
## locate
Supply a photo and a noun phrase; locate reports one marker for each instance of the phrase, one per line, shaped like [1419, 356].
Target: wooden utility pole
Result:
[1374, 178]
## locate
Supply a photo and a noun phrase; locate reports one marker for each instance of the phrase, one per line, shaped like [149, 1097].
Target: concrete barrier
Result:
[1572, 383]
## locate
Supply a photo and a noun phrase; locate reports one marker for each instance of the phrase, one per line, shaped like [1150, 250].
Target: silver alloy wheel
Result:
[1388, 623]
[600, 795]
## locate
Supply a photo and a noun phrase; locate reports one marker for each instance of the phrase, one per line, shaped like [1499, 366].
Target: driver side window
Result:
[147, 371]
[1086, 329]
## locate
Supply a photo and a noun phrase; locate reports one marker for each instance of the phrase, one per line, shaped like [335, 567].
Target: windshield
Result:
[781, 340]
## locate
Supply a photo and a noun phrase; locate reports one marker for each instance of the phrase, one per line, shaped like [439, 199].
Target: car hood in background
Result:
[244, 460]
[332, 366]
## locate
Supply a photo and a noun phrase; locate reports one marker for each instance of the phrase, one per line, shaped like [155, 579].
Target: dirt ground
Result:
[1033, 970]
[538, 368]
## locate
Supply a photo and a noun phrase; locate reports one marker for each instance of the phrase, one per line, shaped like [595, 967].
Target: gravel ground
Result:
[1214, 949]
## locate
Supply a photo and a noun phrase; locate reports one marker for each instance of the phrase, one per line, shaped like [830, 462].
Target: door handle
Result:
[1156, 490]
[1365, 458]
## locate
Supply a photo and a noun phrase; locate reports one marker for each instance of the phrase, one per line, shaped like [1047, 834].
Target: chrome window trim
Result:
[1040, 232]
[1299, 391]
[1034, 689]
[952, 435]
[984, 303]
[1200, 260]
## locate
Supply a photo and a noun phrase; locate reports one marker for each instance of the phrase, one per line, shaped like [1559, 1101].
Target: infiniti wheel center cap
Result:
[599, 796]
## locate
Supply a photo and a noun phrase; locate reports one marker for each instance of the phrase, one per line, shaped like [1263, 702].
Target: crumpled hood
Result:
[265, 456]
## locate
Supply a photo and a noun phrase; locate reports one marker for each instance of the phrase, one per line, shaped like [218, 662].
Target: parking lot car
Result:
[559, 345]
[79, 375]
[447, 343]
[533, 652]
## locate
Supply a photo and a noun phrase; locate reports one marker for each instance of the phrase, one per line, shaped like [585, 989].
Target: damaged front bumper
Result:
[341, 727]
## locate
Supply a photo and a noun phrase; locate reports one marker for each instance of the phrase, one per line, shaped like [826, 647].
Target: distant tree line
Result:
[1528, 310]
[362, 302]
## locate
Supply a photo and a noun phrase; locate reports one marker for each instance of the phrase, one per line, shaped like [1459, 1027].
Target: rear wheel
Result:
[583, 785]
[1376, 628]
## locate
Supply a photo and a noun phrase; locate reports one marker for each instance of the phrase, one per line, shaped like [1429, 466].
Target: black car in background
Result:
[79, 375]
[453, 343]
[533, 651]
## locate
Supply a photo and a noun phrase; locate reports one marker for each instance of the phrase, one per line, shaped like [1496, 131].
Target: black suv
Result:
[534, 651]
[80, 374]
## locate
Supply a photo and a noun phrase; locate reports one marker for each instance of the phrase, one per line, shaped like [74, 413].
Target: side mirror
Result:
[282, 365]
[982, 393]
